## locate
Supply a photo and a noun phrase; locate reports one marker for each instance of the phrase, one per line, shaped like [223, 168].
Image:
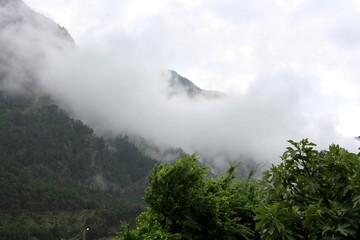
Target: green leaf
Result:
[325, 229]
[345, 230]
[356, 200]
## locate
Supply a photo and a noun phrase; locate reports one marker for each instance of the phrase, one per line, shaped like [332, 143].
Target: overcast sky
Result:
[291, 67]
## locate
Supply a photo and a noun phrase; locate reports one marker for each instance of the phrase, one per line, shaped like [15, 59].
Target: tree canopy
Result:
[186, 202]
[311, 195]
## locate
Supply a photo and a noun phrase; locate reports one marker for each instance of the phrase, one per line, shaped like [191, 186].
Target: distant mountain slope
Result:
[40, 133]
[26, 37]
[56, 176]
[50, 162]
[178, 85]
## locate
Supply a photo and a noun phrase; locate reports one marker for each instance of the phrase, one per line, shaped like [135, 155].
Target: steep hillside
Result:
[179, 85]
[52, 163]
[26, 39]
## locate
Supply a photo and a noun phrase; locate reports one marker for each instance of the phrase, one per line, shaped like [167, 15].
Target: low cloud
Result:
[119, 85]
[117, 89]
[25, 39]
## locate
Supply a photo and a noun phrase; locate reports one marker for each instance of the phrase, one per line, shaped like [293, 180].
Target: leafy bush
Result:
[311, 195]
[186, 203]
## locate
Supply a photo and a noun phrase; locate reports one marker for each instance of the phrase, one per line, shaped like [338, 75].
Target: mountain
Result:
[26, 39]
[37, 133]
[178, 85]
[57, 177]
[152, 150]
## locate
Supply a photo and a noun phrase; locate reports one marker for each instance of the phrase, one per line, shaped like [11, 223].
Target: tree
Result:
[311, 195]
[186, 203]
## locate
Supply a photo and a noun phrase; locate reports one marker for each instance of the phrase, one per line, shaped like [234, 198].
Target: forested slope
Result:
[57, 177]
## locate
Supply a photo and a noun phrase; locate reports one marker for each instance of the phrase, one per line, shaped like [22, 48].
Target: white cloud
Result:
[291, 67]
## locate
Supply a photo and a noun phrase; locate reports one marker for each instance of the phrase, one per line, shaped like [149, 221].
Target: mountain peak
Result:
[180, 85]
[28, 37]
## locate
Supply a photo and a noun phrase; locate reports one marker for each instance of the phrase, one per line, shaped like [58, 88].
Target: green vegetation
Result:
[310, 195]
[185, 202]
[57, 177]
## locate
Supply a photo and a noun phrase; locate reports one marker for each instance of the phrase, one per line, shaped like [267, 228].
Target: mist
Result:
[119, 86]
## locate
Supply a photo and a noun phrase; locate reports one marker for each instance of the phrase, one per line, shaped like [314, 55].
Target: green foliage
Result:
[312, 195]
[50, 166]
[52, 163]
[186, 203]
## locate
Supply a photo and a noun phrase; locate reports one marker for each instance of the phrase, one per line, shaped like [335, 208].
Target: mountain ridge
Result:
[179, 85]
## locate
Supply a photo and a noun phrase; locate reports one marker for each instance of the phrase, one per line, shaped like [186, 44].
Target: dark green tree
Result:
[185, 202]
[311, 195]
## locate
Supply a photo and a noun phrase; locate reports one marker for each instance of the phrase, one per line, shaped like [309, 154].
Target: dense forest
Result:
[57, 177]
[311, 195]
